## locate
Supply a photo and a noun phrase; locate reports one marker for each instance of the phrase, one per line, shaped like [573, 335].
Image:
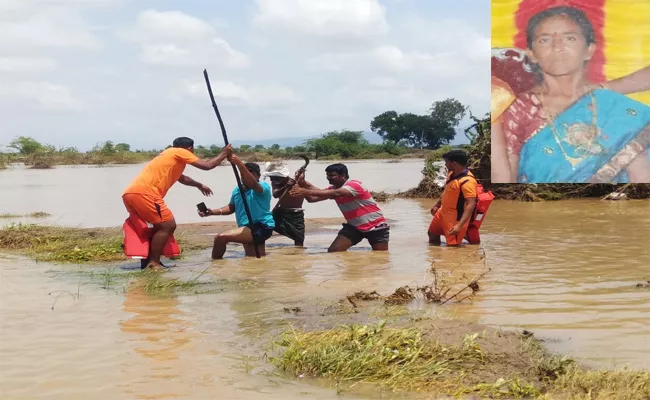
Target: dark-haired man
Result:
[364, 218]
[258, 197]
[454, 209]
[144, 195]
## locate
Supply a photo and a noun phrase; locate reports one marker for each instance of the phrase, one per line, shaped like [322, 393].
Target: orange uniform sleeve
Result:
[469, 188]
[185, 156]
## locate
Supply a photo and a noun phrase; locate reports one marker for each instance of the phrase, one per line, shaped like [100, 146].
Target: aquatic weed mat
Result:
[156, 282]
[447, 357]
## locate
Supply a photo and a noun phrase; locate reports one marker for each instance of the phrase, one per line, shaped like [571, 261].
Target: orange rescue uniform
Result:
[144, 196]
[452, 204]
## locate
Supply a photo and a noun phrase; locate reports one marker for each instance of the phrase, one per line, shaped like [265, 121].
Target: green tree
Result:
[339, 143]
[431, 131]
[258, 148]
[275, 146]
[26, 145]
[244, 147]
[122, 147]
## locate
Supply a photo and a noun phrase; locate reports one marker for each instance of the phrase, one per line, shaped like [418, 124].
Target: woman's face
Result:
[559, 47]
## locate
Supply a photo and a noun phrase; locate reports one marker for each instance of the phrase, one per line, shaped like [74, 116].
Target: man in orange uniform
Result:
[451, 214]
[144, 196]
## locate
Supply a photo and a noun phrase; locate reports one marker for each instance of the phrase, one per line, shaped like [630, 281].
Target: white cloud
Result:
[27, 64]
[341, 21]
[322, 66]
[173, 38]
[49, 28]
[256, 96]
[48, 95]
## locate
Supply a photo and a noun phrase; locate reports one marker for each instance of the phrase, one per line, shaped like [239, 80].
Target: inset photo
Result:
[570, 91]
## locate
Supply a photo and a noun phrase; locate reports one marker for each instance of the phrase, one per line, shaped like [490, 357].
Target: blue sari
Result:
[582, 157]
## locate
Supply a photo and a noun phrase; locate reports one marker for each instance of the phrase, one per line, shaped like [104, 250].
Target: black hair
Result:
[339, 169]
[183, 142]
[458, 156]
[253, 168]
[576, 15]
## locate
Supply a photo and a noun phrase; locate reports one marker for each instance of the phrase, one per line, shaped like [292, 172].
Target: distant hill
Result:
[372, 137]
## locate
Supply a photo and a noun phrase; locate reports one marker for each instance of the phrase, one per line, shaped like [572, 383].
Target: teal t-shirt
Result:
[258, 203]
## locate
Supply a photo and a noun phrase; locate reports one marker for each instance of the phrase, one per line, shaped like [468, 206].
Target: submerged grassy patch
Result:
[70, 245]
[9, 215]
[414, 359]
[37, 214]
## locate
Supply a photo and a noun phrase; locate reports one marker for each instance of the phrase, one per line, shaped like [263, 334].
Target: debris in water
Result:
[402, 295]
[616, 196]
[643, 285]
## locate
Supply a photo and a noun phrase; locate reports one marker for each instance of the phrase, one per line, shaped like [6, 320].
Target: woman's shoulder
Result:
[525, 106]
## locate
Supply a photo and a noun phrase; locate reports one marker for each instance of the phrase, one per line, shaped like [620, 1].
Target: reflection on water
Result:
[565, 270]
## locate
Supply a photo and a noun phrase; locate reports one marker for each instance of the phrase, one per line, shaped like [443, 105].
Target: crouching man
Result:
[258, 197]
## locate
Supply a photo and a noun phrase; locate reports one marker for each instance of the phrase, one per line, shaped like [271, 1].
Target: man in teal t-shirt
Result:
[258, 197]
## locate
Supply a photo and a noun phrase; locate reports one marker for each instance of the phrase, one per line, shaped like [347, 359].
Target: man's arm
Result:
[278, 188]
[635, 82]
[212, 163]
[314, 195]
[470, 203]
[226, 210]
[247, 178]
[304, 184]
[187, 181]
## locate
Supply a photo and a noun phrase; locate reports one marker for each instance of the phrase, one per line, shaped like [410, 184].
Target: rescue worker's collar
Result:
[461, 174]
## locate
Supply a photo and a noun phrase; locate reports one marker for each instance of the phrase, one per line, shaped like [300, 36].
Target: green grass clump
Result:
[72, 245]
[411, 359]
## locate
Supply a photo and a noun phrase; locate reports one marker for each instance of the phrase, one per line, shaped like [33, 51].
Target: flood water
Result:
[565, 270]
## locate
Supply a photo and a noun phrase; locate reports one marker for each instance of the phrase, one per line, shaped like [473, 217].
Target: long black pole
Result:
[234, 168]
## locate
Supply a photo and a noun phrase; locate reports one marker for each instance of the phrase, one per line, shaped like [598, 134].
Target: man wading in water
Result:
[364, 218]
[454, 209]
[289, 215]
[258, 198]
[144, 196]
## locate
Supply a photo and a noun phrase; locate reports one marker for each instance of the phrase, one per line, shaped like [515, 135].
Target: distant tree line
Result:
[402, 134]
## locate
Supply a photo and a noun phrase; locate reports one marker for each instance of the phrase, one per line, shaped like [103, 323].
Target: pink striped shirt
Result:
[360, 210]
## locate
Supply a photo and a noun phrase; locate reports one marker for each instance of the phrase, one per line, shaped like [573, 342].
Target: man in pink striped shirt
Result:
[364, 218]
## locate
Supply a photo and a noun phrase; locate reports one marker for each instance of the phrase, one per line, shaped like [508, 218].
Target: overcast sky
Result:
[77, 72]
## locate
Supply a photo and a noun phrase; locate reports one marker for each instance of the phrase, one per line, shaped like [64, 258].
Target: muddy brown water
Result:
[565, 270]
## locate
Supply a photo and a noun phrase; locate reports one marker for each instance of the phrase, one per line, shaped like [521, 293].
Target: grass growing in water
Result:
[70, 245]
[9, 215]
[37, 214]
[411, 359]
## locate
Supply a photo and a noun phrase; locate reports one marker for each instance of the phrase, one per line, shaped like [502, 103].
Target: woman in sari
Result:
[566, 129]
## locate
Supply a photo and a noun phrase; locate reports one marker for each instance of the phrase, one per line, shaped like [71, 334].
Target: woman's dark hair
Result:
[576, 15]
[253, 168]
[339, 169]
[183, 142]
[458, 156]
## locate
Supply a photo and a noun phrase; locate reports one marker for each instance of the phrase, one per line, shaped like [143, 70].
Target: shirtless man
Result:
[288, 214]
[144, 196]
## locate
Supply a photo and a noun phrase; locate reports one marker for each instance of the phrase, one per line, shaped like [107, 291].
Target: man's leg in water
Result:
[436, 229]
[154, 211]
[347, 237]
[162, 232]
[378, 239]
[241, 235]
